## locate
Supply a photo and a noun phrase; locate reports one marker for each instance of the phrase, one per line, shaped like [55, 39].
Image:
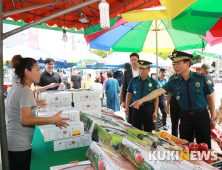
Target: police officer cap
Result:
[180, 56]
[127, 66]
[144, 64]
[163, 70]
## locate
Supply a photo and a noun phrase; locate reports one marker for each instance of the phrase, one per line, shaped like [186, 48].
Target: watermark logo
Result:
[182, 155]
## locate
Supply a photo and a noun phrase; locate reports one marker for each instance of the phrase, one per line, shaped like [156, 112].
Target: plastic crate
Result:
[173, 138]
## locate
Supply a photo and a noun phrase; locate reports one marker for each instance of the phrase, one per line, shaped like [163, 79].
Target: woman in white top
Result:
[97, 86]
[20, 113]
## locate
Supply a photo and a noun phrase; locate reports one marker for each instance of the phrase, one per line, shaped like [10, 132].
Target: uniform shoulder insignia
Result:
[176, 78]
[171, 76]
[199, 74]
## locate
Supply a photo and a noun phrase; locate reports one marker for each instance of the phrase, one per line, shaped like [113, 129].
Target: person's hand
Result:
[167, 110]
[154, 116]
[136, 104]
[52, 85]
[59, 121]
[124, 104]
[127, 111]
[120, 101]
[41, 102]
[212, 124]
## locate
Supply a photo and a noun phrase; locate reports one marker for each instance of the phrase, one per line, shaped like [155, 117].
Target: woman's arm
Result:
[27, 119]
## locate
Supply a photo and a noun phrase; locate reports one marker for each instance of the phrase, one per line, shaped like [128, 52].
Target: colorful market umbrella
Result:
[199, 17]
[173, 10]
[142, 36]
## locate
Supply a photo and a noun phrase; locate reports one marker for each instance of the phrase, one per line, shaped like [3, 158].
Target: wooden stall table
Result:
[43, 155]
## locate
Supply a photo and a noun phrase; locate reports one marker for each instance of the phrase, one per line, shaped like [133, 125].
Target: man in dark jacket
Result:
[128, 75]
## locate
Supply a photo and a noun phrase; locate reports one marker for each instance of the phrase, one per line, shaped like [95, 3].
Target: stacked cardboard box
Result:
[87, 101]
[66, 138]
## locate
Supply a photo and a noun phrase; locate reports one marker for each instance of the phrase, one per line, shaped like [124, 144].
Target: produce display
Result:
[105, 158]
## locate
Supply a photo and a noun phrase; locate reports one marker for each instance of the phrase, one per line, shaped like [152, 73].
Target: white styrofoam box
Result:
[85, 96]
[51, 134]
[88, 106]
[68, 112]
[75, 142]
[96, 113]
[57, 97]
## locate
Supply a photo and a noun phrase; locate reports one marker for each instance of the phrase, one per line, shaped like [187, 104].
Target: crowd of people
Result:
[187, 96]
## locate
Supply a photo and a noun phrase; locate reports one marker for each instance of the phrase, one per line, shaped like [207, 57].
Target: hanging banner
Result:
[33, 38]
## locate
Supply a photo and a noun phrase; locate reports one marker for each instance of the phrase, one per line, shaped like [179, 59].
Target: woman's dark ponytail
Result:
[20, 64]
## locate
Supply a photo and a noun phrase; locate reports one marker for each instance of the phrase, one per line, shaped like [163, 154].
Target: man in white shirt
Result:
[128, 75]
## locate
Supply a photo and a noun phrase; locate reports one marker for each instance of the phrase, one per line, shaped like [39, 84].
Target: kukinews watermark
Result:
[182, 155]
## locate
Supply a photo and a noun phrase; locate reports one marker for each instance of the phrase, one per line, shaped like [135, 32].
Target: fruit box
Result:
[55, 97]
[85, 96]
[107, 110]
[153, 140]
[75, 142]
[111, 136]
[90, 121]
[74, 166]
[88, 106]
[96, 113]
[141, 156]
[105, 158]
[51, 134]
[68, 112]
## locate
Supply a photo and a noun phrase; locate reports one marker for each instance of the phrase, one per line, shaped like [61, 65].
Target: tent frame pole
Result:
[3, 137]
[156, 31]
[12, 32]
[30, 8]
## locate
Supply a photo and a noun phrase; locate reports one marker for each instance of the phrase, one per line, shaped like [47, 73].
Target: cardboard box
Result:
[51, 134]
[142, 157]
[75, 142]
[88, 106]
[68, 112]
[55, 97]
[85, 96]
[152, 140]
[96, 113]
[111, 136]
[107, 110]
[75, 166]
[90, 121]
[104, 158]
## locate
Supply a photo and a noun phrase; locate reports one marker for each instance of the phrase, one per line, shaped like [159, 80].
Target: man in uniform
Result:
[174, 109]
[139, 87]
[193, 92]
[162, 98]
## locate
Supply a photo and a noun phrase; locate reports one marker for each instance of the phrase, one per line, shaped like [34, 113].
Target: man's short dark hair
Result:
[75, 69]
[135, 54]
[101, 73]
[110, 74]
[49, 60]
[89, 75]
[186, 60]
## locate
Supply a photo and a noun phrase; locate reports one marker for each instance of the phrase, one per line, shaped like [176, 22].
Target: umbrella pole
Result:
[156, 31]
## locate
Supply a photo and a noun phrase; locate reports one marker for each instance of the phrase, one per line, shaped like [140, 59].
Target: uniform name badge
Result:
[135, 91]
[150, 84]
[197, 84]
[178, 97]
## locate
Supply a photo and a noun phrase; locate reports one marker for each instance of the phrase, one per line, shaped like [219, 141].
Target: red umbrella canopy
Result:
[71, 19]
